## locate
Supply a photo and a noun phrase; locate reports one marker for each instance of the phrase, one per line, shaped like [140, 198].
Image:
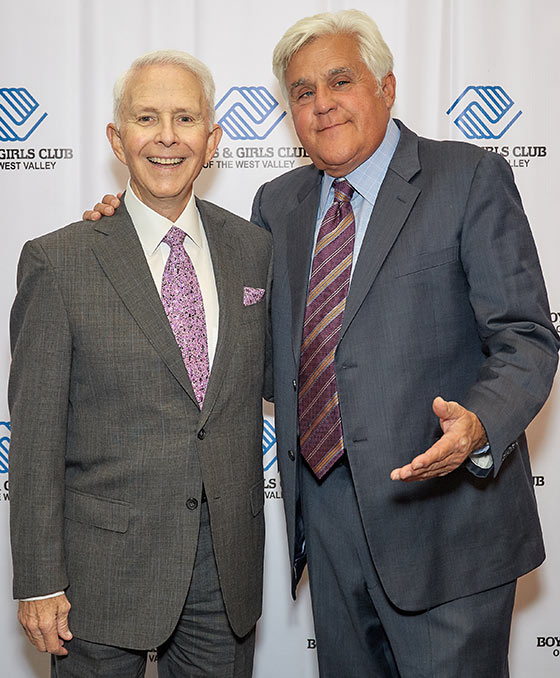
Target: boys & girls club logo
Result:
[251, 114]
[487, 113]
[484, 112]
[248, 113]
[20, 116]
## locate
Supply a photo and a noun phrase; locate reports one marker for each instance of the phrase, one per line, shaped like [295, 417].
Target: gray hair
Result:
[165, 57]
[374, 51]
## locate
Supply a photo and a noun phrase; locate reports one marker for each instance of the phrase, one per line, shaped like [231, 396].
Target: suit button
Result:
[192, 503]
[201, 434]
[294, 384]
[291, 455]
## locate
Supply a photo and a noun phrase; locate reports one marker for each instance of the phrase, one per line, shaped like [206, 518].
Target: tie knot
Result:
[174, 237]
[343, 191]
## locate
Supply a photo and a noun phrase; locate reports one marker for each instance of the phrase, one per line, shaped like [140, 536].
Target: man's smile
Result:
[165, 161]
[333, 125]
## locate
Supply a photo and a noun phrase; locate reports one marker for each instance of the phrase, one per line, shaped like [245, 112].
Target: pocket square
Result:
[251, 295]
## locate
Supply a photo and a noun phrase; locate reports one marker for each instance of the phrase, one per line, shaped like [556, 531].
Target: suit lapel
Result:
[395, 200]
[120, 254]
[226, 262]
[300, 227]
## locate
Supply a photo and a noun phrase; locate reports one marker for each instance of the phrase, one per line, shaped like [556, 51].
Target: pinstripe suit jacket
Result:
[108, 445]
[447, 298]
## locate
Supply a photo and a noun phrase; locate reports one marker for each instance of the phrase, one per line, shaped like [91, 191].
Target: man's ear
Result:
[389, 89]
[115, 140]
[212, 143]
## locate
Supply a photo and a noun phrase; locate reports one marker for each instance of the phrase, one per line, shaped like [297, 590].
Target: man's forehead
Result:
[326, 54]
[172, 103]
[159, 84]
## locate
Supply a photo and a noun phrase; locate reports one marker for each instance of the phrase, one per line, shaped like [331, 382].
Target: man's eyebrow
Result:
[339, 70]
[297, 83]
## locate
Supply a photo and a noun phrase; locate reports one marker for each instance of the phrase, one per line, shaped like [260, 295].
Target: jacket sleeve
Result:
[508, 296]
[256, 218]
[38, 396]
[268, 388]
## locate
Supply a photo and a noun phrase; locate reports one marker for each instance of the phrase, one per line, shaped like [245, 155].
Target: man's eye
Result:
[305, 95]
[341, 83]
[145, 118]
[186, 118]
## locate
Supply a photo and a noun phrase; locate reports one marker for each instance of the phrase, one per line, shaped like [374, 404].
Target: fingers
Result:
[109, 201]
[463, 433]
[91, 215]
[45, 623]
[443, 457]
[428, 465]
[106, 208]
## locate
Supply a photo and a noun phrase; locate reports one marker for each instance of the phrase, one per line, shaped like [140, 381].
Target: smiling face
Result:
[164, 138]
[339, 112]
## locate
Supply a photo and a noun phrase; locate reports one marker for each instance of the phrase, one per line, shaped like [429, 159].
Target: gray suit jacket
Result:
[109, 449]
[447, 298]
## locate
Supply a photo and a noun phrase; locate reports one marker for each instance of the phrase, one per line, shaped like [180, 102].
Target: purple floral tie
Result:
[182, 300]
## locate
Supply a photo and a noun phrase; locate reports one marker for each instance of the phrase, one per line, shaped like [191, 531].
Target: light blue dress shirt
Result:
[366, 180]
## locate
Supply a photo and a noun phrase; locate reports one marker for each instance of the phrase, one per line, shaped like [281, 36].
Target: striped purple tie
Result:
[182, 300]
[320, 425]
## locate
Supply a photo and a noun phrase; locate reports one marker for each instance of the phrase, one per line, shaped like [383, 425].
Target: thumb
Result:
[444, 409]
[62, 626]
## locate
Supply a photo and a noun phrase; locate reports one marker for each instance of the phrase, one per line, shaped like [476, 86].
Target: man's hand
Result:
[105, 208]
[462, 434]
[46, 623]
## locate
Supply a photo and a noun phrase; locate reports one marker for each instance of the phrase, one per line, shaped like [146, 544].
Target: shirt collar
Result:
[152, 227]
[367, 178]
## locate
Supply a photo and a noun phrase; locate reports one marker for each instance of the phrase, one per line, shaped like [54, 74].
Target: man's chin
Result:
[338, 166]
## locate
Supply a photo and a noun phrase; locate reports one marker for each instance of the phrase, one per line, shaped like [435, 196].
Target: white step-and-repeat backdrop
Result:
[484, 71]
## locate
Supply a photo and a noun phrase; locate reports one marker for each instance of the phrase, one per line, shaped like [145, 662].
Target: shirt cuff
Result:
[482, 457]
[50, 595]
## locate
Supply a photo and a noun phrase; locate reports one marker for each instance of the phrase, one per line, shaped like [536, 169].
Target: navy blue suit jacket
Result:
[447, 298]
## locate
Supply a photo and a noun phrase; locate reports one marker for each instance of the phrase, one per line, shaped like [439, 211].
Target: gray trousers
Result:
[359, 632]
[201, 646]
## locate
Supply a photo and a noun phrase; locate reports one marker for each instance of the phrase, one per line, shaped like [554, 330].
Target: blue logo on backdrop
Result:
[4, 446]
[19, 114]
[484, 112]
[268, 445]
[248, 113]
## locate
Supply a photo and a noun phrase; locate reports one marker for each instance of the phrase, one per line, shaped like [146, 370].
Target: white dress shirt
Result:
[152, 228]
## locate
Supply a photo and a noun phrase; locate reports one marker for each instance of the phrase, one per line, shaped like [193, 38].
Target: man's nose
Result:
[324, 99]
[167, 134]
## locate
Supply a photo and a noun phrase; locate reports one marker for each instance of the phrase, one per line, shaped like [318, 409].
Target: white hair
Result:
[165, 57]
[374, 51]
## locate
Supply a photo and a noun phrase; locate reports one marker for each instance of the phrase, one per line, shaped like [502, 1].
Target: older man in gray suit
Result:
[135, 393]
